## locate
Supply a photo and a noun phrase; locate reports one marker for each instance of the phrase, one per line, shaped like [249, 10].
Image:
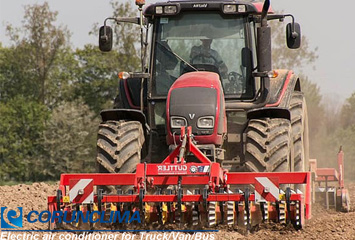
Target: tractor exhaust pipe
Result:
[264, 41]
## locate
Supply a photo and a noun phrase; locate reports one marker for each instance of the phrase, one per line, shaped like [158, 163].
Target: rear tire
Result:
[268, 145]
[119, 145]
[299, 123]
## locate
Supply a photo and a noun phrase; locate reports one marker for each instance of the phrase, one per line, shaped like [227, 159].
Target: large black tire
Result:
[119, 145]
[299, 123]
[268, 145]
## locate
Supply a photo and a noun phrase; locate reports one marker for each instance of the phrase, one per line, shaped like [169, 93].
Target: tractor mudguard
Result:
[269, 112]
[124, 114]
[129, 94]
[282, 87]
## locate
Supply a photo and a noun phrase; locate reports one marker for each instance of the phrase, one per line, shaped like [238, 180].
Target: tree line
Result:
[51, 96]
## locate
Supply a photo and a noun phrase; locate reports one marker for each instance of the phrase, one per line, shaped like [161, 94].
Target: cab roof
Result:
[251, 6]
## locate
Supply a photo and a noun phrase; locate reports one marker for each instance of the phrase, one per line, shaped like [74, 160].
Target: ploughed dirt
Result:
[324, 224]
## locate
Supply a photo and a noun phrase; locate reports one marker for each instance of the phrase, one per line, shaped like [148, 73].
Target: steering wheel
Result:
[235, 77]
[202, 55]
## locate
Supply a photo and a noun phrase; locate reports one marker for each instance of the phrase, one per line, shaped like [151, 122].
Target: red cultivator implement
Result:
[193, 194]
[329, 185]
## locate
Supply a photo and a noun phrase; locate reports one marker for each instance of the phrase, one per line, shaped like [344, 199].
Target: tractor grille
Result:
[193, 103]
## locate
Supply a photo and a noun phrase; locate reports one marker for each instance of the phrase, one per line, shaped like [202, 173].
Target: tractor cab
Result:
[202, 41]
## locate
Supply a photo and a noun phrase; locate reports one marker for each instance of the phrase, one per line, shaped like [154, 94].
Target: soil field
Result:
[323, 225]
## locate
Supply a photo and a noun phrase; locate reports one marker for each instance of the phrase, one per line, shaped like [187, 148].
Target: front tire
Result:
[268, 145]
[119, 145]
[299, 122]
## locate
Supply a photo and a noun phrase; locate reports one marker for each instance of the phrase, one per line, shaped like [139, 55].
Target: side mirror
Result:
[293, 35]
[105, 38]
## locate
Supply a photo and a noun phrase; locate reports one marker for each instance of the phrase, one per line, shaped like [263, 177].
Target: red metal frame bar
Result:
[283, 177]
[233, 178]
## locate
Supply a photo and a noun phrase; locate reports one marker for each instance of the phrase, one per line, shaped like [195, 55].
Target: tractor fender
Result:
[269, 112]
[282, 87]
[124, 114]
[129, 94]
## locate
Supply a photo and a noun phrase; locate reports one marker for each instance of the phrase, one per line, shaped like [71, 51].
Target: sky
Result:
[324, 23]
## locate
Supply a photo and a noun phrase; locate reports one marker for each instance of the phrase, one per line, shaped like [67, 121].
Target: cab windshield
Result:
[204, 41]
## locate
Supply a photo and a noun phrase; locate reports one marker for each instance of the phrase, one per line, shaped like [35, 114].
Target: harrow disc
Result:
[211, 214]
[281, 206]
[298, 220]
[230, 213]
[195, 216]
[264, 208]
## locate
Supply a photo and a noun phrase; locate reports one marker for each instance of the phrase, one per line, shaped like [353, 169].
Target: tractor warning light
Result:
[273, 74]
[140, 2]
[123, 75]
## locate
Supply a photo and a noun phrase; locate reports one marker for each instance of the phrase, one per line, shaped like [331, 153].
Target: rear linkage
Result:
[162, 193]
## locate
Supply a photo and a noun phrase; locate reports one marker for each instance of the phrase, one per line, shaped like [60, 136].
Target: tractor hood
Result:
[196, 99]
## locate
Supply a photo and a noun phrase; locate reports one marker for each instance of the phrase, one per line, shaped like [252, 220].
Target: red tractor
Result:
[207, 64]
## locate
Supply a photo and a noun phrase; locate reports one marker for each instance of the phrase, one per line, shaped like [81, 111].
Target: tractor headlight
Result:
[233, 8]
[230, 8]
[241, 8]
[159, 10]
[178, 122]
[170, 9]
[205, 122]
